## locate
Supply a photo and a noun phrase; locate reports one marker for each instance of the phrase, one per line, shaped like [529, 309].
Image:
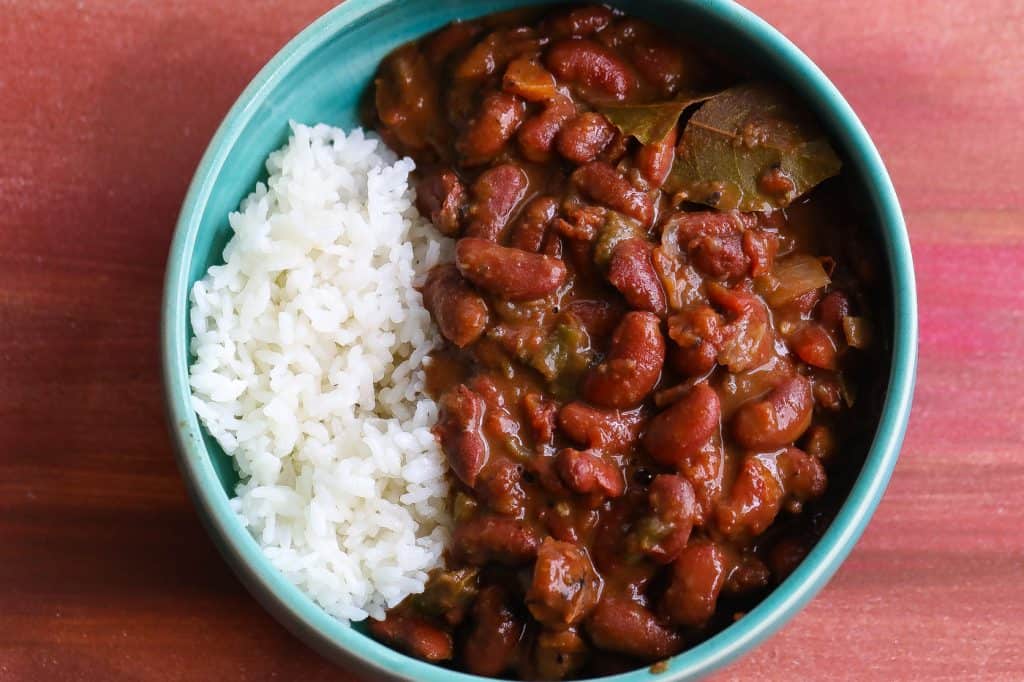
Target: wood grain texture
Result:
[105, 572]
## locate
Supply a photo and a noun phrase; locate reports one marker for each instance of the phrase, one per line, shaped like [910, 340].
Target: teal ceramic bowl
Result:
[319, 77]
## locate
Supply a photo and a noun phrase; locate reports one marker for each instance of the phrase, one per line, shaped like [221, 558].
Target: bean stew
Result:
[662, 352]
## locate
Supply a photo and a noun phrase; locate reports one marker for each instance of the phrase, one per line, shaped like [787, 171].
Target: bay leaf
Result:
[751, 148]
[650, 123]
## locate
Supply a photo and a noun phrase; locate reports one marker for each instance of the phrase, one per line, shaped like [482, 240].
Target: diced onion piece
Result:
[792, 277]
[857, 331]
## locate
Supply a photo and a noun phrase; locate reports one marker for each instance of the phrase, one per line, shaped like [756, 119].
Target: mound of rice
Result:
[309, 344]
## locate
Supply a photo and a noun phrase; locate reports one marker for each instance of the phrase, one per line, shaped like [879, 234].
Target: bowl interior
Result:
[320, 77]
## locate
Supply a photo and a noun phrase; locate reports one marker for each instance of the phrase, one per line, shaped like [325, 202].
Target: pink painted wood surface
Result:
[105, 572]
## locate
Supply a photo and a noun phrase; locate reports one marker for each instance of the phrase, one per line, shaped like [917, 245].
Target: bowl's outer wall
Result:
[321, 77]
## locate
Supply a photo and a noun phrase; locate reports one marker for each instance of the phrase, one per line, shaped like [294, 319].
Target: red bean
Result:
[697, 579]
[582, 138]
[815, 346]
[529, 80]
[499, 116]
[592, 427]
[602, 183]
[537, 135]
[501, 539]
[588, 473]
[803, 475]
[633, 364]
[620, 624]
[692, 225]
[578, 22]
[755, 498]
[820, 442]
[451, 39]
[459, 429]
[496, 194]
[565, 587]
[559, 654]
[460, 312]
[492, 645]
[832, 309]
[747, 573]
[441, 197]
[591, 65]
[777, 420]
[659, 62]
[654, 161]
[679, 432]
[529, 231]
[511, 274]
[720, 257]
[415, 635]
[748, 339]
[406, 99]
[673, 513]
[632, 272]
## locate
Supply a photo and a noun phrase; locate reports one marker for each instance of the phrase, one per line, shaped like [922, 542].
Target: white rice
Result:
[309, 344]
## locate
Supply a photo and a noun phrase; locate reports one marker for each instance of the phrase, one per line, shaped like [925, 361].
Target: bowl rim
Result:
[345, 645]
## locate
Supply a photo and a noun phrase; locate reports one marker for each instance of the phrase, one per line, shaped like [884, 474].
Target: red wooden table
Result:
[105, 572]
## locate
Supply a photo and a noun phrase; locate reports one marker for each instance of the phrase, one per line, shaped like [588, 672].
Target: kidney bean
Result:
[565, 587]
[663, 534]
[632, 366]
[588, 473]
[491, 54]
[583, 137]
[654, 161]
[815, 346]
[693, 225]
[498, 486]
[496, 194]
[590, 64]
[832, 309]
[441, 198]
[529, 80]
[451, 39]
[492, 645]
[760, 247]
[459, 429]
[578, 22]
[661, 63]
[598, 317]
[698, 576]
[592, 427]
[529, 231]
[511, 274]
[414, 635]
[501, 539]
[632, 272]
[777, 420]
[755, 498]
[678, 433]
[720, 257]
[602, 183]
[460, 313]
[620, 624]
[499, 117]
[537, 135]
